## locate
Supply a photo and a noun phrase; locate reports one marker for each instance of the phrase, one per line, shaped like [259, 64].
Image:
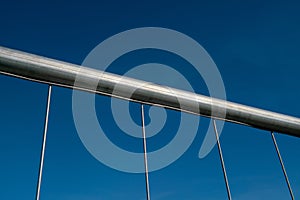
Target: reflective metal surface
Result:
[38, 189]
[41, 69]
[145, 153]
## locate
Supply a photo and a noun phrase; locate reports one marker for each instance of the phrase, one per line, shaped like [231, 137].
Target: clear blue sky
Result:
[255, 46]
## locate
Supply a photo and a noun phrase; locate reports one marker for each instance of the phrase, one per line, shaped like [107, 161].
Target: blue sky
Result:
[255, 46]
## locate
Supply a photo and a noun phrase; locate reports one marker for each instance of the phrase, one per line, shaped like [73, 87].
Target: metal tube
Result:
[222, 160]
[145, 153]
[41, 69]
[282, 166]
[38, 189]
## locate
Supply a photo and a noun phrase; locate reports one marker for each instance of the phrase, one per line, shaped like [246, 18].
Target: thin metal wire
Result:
[222, 160]
[282, 166]
[145, 153]
[38, 189]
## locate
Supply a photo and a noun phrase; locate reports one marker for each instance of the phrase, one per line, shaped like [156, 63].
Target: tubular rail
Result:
[54, 72]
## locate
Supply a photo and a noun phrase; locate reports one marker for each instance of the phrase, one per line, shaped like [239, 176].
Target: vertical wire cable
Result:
[38, 189]
[222, 160]
[145, 153]
[282, 166]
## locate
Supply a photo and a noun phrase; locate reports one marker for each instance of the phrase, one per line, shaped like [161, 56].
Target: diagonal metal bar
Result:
[145, 153]
[222, 160]
[45, 70]
[282, 166]
[38, 189]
